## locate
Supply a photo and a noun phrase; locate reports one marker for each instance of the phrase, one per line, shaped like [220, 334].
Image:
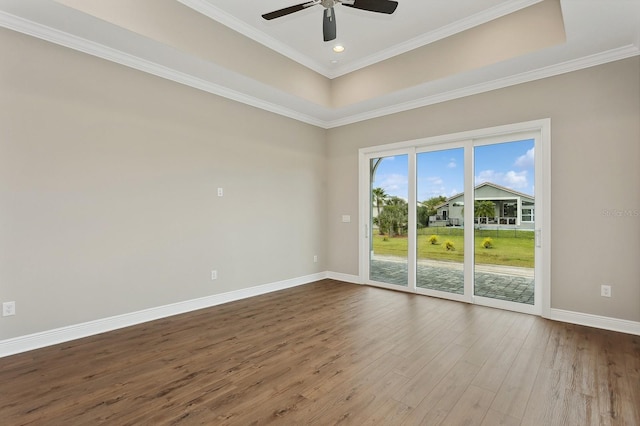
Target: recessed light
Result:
[338, 48]
[334, 61]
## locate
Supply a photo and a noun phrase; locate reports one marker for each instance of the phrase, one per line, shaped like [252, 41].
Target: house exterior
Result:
[513, 209]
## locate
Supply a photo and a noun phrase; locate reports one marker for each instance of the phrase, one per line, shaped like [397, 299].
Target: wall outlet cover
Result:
[8, 309]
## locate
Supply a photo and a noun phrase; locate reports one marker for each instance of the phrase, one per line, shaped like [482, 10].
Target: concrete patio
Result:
[495, 281]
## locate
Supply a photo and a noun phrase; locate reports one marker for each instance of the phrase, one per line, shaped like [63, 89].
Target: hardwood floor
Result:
[328, 353]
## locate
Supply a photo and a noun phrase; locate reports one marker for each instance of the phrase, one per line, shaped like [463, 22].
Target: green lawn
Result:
[509, 248]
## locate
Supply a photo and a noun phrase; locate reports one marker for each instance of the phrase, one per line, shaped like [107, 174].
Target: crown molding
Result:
[467, 23]
[207, 9]
[99, 50]
[616, 54]
[61, 38]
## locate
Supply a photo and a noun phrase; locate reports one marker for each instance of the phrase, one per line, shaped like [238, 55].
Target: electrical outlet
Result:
[605, 290]
[315, 258]
[214, 275]
[220, 192]
[8, 309]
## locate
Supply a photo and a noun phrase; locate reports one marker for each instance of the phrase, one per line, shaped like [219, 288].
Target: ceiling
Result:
[391, 63]
[368, 37]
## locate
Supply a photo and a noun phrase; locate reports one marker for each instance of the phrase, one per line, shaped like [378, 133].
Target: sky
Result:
[508, 164]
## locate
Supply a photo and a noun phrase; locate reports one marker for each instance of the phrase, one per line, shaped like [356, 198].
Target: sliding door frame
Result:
[542, 131]
[365, 211]
[467, 297]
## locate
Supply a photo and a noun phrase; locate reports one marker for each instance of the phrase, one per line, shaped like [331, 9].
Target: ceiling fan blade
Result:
[288, 10]
[380, 6]
[329, 24]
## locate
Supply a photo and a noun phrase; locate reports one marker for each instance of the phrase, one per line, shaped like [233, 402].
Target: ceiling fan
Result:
[329, 16]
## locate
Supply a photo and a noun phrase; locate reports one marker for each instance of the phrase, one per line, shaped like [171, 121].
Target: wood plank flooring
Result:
[331, 353]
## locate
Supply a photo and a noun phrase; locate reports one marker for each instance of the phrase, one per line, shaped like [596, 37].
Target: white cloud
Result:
[487, 176]
[527, 160]
[510, 179]
[515, 179]
[394, 184]
[435, 180]
[431, 186]
[452, 164]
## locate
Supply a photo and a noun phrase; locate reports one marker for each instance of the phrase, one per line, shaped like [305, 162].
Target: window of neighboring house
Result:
[528, 214]
[509, 209]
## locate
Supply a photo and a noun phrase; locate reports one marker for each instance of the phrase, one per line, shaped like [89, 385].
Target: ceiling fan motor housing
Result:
[329, 17]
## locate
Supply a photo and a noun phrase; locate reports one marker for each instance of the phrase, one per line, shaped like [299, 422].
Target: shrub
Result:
[433, 240]
[487, 243]
[448, 245]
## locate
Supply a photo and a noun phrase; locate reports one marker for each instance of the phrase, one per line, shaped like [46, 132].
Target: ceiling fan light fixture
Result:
[328, 15]
[338, 48]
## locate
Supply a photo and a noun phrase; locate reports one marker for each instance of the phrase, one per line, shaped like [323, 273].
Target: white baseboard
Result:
[78, 331]
[596, 321]
[353, 279]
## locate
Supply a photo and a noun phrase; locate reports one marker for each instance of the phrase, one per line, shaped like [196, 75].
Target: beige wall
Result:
[530, 29]
[108, 181]
[595, 155]
[177, 25]
[527, 30]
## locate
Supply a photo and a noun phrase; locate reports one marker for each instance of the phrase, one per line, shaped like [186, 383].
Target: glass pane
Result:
[388, 260]
[504, 221]
[440, 243]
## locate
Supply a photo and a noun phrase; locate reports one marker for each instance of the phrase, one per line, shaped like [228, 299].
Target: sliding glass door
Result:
[439, 224]
[504, 221]
[388, 219]
[458, 218]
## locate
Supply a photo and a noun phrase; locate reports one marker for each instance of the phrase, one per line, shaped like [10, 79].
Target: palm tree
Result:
[484, 208]
[379, 198]
[394, 216]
